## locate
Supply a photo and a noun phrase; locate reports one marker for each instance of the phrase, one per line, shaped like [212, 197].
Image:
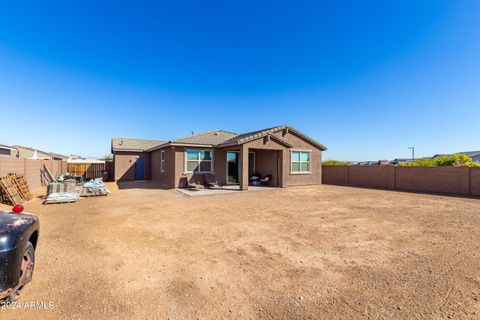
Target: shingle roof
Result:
[213, 138]
[127, 144]
[249, 136]
[253, 135]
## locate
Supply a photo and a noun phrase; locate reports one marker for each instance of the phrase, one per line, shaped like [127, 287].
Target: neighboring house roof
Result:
[127, 144]
[27, 152]
[468, 153]
[3, 146]
[471, 153]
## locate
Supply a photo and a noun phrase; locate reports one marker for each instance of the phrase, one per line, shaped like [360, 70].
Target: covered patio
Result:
[266, 158]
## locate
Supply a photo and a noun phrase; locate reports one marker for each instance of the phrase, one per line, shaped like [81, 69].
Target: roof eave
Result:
[129, 150]
[274, 130]
[238, 143]
[177, 144]
[312, 141]
[222, 145]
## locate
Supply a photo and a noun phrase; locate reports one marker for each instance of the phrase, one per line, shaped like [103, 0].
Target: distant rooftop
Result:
[213, 137]
[4, 146]
[128, 144]
[468, 153]
[27, 152]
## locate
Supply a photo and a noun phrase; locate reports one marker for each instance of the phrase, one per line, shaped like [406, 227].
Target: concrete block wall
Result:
[448, 180]
[30, 169]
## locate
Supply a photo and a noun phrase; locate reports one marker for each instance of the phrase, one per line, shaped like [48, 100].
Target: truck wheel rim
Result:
[26, 271]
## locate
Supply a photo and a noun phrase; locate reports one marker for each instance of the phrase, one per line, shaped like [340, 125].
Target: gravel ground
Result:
[318, 252]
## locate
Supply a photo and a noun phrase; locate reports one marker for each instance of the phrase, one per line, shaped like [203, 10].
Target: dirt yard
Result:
[320, 252]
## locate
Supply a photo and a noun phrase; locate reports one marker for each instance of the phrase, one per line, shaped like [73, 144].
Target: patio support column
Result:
[243, 167]
[283, 165]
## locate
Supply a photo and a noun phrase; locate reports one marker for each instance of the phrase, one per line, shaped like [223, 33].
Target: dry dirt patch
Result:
[319, 252]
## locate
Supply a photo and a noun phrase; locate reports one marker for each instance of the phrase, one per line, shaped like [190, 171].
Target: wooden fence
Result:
[448, 180]
[30, 168]
[87, 170]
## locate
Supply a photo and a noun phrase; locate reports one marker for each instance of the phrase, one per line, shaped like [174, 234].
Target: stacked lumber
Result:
[14, 189]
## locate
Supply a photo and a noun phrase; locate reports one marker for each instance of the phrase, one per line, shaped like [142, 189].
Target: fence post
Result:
[348, 175]
[469, 181]
[395, 178]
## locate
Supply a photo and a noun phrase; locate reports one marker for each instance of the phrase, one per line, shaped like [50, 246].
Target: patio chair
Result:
[255, 179]
[194, 185]
[266, 180]
[210, 181]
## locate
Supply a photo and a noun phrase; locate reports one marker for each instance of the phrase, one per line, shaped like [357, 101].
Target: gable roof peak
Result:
[249, 136]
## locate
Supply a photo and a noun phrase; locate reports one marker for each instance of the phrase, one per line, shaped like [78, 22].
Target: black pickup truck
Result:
[18, 240]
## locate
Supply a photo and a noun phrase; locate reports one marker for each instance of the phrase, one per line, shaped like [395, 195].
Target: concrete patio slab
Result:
[222, 190]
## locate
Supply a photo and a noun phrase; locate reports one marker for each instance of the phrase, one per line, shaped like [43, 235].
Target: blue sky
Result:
[366, 78]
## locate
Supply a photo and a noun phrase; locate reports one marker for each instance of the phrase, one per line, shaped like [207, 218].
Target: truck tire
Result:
[28, 263]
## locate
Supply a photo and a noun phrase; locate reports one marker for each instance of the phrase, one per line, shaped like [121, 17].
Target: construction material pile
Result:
[14, 189]
[94, 188]
[56, 187]
[46, 176]
[69, 191]
[62, 197]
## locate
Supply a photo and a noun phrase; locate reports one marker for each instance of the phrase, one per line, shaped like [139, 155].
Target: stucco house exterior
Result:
[285, 154]
[6, 151]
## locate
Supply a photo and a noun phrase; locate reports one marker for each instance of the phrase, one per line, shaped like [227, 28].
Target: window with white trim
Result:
[198, 161]
[162, 161]
[300, 161]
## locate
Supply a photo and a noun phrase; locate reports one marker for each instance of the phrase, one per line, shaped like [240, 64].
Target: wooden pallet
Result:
[59, 201]
[10, 190]
[22, 186]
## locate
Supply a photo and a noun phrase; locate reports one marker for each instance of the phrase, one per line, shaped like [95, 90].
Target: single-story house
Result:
[475, 155]
[283, 153]
[6, 151]
[28, 152]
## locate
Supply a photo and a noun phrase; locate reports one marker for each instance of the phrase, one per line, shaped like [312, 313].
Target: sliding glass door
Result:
[232, 167]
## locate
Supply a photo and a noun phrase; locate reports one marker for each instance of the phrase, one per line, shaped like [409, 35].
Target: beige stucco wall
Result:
[315, 177]
[219, 158]
[271, 157]
[291, 179]
[124, 164]
[165, 178]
